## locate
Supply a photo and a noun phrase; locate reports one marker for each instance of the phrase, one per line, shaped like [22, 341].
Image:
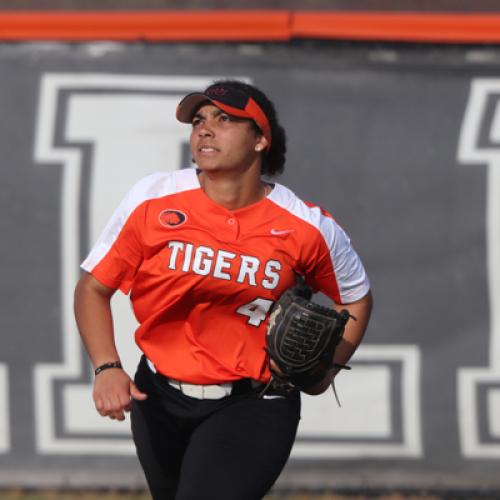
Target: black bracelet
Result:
[105, 366]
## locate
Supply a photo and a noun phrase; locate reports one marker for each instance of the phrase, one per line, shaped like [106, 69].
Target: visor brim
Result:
[189, 105]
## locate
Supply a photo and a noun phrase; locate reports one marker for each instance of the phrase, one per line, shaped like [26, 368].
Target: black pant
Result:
[227, 449]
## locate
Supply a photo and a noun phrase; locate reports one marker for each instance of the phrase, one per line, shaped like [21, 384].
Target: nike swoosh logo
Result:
[278, 232]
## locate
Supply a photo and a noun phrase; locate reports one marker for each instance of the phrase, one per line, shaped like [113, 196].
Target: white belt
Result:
[217, 391]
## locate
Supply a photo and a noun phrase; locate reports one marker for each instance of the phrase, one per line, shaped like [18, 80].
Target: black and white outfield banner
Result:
[405, 154]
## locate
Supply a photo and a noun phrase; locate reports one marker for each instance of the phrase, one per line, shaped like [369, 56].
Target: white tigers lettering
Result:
[223, 265]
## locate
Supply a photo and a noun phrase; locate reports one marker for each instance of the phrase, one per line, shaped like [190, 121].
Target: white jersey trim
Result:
[150, 187]
[352, 281]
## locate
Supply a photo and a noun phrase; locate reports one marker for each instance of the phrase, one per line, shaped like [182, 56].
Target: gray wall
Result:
[399, 143]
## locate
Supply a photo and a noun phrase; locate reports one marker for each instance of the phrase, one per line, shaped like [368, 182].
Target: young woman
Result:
[204, 252]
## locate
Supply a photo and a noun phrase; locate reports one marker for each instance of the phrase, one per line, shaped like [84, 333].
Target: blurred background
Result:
[393, 121]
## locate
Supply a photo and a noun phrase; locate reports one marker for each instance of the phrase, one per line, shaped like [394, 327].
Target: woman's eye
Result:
[196, 121]
[225, 118]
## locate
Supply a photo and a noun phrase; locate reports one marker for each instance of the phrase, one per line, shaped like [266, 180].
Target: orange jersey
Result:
[202, 278]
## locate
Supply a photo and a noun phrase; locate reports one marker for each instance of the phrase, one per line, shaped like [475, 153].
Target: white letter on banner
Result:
[4, 409]
[129, 122]
[479, 388]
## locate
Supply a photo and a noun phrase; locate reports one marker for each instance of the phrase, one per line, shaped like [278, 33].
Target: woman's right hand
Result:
[113, 392]
[113, 388]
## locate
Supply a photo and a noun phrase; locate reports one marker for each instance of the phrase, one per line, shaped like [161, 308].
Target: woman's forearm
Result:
[353, 334]
[355, 329]
[94, 320]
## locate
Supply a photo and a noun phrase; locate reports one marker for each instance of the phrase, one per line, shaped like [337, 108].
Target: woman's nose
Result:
[205, 130]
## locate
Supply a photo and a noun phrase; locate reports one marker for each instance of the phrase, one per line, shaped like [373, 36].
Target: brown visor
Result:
[231, 101]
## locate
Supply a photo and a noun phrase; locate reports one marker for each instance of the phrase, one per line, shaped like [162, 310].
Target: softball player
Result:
[204, 252]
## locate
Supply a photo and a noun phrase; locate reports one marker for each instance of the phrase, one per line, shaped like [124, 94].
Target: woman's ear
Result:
[262, 144]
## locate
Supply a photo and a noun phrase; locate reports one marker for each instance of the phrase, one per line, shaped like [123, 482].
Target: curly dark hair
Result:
[273, 159]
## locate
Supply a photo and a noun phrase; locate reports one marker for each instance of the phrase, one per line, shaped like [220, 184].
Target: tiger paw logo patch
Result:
[172, 218]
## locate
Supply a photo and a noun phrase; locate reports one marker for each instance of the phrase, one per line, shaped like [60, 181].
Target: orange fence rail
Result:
[259, 25]
[416, 27]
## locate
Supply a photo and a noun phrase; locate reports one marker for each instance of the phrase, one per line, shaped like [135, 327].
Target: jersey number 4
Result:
[256, 310]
